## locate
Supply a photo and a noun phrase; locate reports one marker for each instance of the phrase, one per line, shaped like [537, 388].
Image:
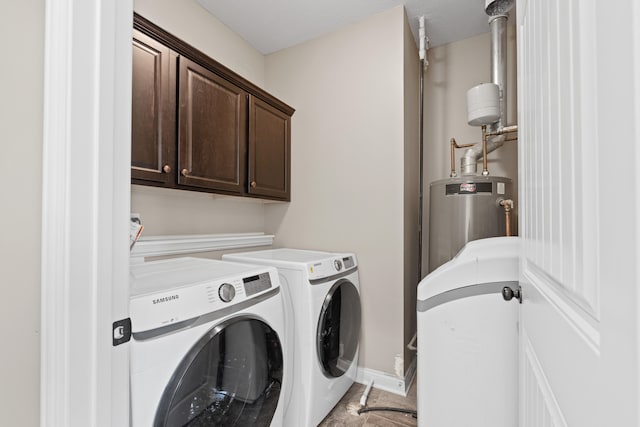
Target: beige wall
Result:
[348, 175]
[21, 86]
[189, 21]
[411, 184]
[454, 69]
[166, 211]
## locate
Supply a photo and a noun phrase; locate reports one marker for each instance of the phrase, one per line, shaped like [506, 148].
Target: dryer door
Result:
[339, 329]
[231, 377]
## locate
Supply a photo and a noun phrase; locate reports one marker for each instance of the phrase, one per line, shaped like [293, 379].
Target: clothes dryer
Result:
[325, 295]
[208, 346]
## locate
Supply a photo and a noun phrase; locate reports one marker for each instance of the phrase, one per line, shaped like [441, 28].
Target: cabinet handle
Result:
[184, 172]
[166, 169]
[253, 184]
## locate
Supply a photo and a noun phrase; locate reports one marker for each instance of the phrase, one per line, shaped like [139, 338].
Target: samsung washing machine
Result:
[208, 346]
[324, 292]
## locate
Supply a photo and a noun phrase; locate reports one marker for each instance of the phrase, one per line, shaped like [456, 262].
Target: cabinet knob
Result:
[184, 172]
[253, 184]
[166, 169]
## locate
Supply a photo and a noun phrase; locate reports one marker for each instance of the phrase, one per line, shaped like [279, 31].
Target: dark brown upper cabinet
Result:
[269, 150]
[212, 119]
[199, 126]
[153, 140]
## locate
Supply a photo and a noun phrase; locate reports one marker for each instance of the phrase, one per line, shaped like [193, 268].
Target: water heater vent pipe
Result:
[498, 26]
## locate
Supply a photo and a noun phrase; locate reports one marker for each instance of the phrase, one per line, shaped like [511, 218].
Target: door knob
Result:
[508, 294]
[184, 172]
[253, 184]
[166, 169]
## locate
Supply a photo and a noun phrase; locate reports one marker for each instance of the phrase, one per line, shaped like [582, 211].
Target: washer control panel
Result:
[256, 284]
[226, 292]
[206, 287]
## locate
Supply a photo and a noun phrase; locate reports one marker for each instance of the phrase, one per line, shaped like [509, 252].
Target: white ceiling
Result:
[272, 25]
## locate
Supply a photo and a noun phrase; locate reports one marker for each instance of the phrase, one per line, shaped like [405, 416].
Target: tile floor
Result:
[345, 412]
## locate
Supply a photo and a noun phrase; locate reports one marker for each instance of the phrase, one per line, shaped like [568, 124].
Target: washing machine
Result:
[325, 299]
[208, 346]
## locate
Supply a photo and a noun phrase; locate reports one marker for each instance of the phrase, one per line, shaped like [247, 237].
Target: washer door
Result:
[339, 329]
[231, 377]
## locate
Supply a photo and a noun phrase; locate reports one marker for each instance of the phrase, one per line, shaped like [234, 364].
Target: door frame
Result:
[85, 212]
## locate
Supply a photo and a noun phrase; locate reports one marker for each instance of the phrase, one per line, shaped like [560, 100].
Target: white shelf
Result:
[176, 245]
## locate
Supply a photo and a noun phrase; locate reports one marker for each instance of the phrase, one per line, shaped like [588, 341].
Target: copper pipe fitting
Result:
[508, 207]
[485, 135]
[455, 145]
[485, 166]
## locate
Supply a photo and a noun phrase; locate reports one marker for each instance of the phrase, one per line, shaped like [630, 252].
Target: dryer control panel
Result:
[187, 290]
[331, 266]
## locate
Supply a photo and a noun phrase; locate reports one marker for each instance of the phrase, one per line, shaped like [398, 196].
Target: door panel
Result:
[561, 346]
[576, 125]
[539, 404]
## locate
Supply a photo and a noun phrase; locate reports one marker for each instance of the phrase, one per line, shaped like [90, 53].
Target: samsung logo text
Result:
[166, 299]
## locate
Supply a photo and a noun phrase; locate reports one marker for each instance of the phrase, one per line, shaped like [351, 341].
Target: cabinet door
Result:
[269, 151]
[212, 121]
[153, 103]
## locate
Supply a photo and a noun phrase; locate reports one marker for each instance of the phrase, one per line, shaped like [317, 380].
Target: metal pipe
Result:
[485, 162]
[504, 130]
[486, 135]
[470, 158]
[421, 167]
[468, 162]
[507, 205]
[424, 43]
[498, 26]
[455, 145]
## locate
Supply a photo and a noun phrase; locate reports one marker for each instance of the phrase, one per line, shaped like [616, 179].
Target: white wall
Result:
[348, 173]
[166, 211]
[21, 85]
[453, 69]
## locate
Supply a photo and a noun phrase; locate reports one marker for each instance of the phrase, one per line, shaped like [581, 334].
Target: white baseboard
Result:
[387, 382]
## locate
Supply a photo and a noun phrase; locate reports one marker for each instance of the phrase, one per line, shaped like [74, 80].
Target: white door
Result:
[579, 157]
[85, 211]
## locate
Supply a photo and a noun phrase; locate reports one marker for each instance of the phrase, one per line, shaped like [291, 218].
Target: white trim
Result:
[85, 209]
[387, 382]
[547, 406]
[54, 270]
[410, 376]
[576, 316]
[636, 56]
[176, 245]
